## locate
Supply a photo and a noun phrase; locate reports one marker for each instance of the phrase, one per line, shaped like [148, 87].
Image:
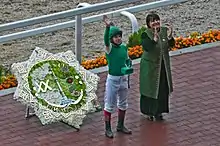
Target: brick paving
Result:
[193, 119]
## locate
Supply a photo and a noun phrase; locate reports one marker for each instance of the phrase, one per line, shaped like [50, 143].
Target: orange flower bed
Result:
[95, 63]
[9, 81]
[197, 39]
[134, 52]
[181, 42]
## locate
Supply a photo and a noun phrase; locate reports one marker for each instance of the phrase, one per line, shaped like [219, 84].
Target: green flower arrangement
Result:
[57, 81]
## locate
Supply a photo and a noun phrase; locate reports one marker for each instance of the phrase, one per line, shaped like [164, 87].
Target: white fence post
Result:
[78, 34]
[78, 38]
[132, 18]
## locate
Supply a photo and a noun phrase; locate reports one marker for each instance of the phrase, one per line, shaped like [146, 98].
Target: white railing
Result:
[64, 14]
[78, 22]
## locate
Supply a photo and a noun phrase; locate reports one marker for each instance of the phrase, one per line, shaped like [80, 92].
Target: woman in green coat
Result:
[155, 71]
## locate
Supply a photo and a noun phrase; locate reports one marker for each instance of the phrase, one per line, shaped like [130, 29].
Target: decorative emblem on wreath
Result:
[56, 87]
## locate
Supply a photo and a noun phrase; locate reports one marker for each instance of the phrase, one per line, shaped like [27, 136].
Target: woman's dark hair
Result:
[151, 17]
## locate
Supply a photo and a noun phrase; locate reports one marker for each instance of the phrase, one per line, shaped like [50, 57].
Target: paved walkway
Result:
[194, 118]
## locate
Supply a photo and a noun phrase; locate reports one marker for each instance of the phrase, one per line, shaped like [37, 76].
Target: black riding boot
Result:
[108, 129]
[120, 127]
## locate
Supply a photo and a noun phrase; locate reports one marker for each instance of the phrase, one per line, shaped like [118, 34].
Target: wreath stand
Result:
[28, 115]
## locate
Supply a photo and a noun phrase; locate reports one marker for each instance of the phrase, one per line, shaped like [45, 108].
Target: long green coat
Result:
[150, 65]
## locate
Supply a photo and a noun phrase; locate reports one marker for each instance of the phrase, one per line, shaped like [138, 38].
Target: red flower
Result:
[69, 80]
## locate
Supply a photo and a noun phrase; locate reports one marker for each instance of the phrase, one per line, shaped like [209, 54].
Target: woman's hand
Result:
[169, 31]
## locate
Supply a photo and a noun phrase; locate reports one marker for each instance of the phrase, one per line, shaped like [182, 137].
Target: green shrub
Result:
[3, 73]
[135, 38]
